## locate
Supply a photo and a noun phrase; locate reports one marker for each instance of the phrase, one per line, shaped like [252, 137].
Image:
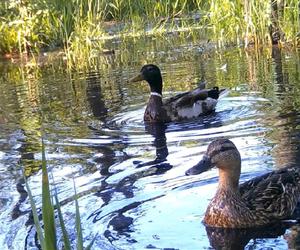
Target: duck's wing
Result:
[201, 86]
[172, 99]
[274, 194]
[190, 97]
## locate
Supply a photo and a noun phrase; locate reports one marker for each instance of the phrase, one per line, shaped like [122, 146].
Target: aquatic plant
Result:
[48, 235]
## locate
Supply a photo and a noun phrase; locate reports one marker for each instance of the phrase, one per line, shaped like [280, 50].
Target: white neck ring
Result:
[156, 94]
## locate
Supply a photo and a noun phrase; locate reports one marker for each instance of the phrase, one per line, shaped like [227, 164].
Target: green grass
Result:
[46, 230]
[76, 25]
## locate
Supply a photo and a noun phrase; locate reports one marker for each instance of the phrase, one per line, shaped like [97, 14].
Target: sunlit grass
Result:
[81, 26]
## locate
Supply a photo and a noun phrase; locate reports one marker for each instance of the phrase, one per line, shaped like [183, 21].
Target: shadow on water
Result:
[129, 175]
[94, 96]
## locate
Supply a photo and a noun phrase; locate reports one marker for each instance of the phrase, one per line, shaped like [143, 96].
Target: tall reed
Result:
[72, 24]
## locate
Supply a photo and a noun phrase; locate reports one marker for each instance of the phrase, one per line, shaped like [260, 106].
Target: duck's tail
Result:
[216, 93]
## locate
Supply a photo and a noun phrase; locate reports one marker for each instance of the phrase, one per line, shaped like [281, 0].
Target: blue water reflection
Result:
[130, 177]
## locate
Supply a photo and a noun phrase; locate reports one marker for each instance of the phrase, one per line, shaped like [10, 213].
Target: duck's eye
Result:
[212, 160]
[205, 159]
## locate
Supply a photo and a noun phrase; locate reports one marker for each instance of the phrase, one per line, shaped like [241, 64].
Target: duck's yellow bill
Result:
[137, 78]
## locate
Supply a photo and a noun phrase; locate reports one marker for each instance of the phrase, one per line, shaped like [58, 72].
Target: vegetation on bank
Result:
[29, 25]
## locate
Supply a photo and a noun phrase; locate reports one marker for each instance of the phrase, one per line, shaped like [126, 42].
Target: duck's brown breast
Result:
[155, 112]
[228, 210]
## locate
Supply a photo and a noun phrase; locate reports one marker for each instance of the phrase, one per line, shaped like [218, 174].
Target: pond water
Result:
[131, 178]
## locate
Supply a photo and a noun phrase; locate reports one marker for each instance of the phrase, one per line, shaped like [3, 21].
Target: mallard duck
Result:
[182, 106]
[257, 202]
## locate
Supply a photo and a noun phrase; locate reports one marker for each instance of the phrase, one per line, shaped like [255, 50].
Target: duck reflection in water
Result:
[157, 130]
[120, 223]
[237, 239]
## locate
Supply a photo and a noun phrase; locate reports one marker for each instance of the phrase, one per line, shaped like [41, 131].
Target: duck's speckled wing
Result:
[274, 194]
[184, 95]
[191, 104]
[190, 97]
[167, 101]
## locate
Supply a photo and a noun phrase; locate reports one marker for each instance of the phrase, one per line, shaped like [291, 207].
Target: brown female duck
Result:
[182, 106]
[257, 202]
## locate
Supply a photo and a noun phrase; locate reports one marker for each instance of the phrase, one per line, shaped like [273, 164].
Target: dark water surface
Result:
[94, 134]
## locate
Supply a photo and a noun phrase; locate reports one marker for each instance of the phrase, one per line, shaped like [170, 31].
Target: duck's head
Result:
[221, 153]
[151, 74]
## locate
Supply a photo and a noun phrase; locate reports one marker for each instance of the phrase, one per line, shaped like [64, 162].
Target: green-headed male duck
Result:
[182, 106]
[257, 202]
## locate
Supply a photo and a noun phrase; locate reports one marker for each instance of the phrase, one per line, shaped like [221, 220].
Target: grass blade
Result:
[47, 208]
[35, 216]
[91, 243]
[67, 244]
[78, 223]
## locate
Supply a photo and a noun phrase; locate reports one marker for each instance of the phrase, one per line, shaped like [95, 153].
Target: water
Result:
[92, 124]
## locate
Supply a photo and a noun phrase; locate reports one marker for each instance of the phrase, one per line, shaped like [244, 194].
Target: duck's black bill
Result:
[204, 165]
[137, 78]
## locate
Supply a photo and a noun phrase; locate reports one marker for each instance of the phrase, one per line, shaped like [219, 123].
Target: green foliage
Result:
[67, 244]
[225, 20]
[290, 21]
[78, 224]
[73, 24]
[35, 216]
[47, 208]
